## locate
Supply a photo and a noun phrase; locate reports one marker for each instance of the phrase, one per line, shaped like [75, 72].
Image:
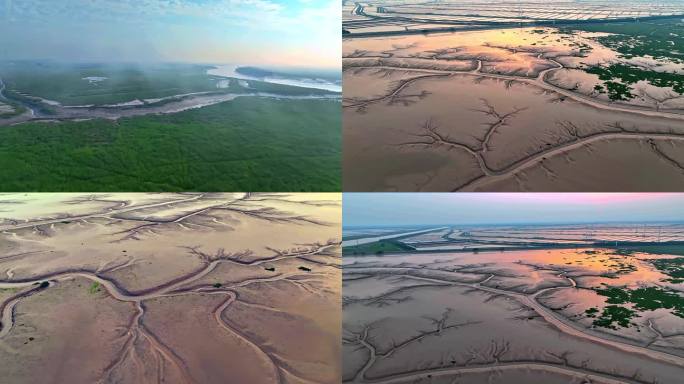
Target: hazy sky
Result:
[492, 208]
[273, 32]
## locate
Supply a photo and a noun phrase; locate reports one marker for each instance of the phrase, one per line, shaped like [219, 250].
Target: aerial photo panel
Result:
[510, 288]
[170, 96]
[342, 191]
[513, 95]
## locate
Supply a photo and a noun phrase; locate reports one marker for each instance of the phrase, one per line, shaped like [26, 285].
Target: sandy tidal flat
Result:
[501, 110]
[176, 288]
[505, 317]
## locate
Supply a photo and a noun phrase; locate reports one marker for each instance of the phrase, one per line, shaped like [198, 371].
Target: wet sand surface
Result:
[176, 288]
[501, 110]
[504, 317]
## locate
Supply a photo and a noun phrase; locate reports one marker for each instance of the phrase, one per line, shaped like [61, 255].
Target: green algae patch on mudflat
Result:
[647, 38]
[94, 288]
[653, 40]
[652, 298]
[640, 299]
[591, 312]
[615, 295]
[611, 315]
[671, 267]
[628, 75]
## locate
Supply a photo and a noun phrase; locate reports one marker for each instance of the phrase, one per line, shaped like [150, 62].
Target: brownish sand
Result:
[175, 288]
[502, 317]
[500, 110]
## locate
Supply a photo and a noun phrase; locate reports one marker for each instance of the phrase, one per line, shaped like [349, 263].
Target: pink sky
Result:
[492, 208]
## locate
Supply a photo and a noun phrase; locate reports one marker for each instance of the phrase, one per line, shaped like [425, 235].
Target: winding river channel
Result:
[171, 104]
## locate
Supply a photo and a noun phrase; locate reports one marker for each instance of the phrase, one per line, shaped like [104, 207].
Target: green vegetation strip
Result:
[366, 235]
[247, 144]
[656, 249]
[377, 248]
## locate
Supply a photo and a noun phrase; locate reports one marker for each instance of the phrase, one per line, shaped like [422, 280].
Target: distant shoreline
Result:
[267, 76]
[455, 26]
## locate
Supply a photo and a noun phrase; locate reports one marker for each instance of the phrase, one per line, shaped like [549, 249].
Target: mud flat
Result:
[178, 288]
[510, 317]
[507, 110]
